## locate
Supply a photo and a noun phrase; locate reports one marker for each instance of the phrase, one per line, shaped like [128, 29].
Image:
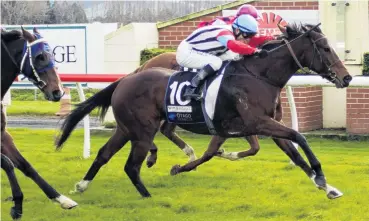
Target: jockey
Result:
[206, 48]
[245, 9]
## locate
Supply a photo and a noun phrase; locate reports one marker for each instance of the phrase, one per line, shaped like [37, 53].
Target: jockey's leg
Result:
[197, 80]
[187, 57]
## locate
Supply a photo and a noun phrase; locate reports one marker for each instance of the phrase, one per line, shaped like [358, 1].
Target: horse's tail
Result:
[101, 99]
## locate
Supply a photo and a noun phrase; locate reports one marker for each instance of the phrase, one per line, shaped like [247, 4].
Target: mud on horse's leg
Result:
[213, 147]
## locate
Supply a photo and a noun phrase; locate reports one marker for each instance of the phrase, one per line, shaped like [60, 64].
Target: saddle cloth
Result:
[180, 110]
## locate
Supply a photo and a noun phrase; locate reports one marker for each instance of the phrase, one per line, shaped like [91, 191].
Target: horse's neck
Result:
[9, 71]
[277, 68]
[7, 78]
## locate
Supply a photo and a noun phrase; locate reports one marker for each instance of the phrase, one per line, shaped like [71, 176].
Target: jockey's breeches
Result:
[188, 57]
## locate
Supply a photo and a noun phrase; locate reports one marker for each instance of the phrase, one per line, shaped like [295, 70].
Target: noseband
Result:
[331, 76]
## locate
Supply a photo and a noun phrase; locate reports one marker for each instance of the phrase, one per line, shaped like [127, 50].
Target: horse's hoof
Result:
[80, 187]
[150, 161]
[65, 202]
[175, 170]
[15, 214]
[333, 193]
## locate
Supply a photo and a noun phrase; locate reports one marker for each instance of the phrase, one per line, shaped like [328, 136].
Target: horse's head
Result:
[38, 65]
[318, 55]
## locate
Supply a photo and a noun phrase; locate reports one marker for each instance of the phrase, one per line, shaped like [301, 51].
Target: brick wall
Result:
[308, 99]
[357, 110]
[172, 35]
[309, 106]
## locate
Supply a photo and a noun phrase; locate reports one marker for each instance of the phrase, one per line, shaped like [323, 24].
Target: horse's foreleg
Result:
[270, 127]
[23, 165]
[168, 130]
[289, 149]
[213, 147]
[114, 144]
[8, 167]
[254, 149]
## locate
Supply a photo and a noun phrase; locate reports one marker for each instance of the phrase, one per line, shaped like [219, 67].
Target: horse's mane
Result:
[10, 35]
[295, 30]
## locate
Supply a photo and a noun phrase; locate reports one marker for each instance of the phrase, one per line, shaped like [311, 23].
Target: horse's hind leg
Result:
[167, 129]
[212, 150]
[114, 144]
[254, 149]
[8, 167]
[23, 165]
[138, 153]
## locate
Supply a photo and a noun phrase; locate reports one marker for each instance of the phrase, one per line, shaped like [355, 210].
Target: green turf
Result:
[35, 108]
[264, 187]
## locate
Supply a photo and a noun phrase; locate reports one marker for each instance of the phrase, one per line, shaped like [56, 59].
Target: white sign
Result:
[68, 45]
[78, 49]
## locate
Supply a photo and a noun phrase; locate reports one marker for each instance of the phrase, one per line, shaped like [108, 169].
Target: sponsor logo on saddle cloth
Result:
[185, 111]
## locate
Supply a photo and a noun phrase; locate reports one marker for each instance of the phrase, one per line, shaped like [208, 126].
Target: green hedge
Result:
[366, 64]
[147, 54]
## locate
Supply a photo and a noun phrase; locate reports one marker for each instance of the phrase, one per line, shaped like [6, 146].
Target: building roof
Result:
[202, 13]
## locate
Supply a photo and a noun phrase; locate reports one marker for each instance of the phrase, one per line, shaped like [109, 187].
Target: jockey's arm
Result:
[260, 39]
[227, 39]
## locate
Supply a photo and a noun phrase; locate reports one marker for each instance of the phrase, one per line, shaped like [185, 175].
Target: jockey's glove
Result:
[262, 53]
[237, 57]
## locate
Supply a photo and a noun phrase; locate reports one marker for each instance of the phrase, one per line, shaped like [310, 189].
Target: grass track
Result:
[36, 108]
[264, 187]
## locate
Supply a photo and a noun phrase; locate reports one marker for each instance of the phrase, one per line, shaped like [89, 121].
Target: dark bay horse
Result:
[30, 54]
[246, 104]
[168, 60]
[165, 60]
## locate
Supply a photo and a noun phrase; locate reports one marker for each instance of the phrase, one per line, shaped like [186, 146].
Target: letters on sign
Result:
[65, 54]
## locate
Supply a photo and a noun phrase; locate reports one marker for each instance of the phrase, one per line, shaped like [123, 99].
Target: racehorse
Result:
[165, 60]
[29, 54]
[246, 104]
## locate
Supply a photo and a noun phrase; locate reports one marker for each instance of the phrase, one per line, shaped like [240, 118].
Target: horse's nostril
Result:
[347, 79]
[57, 94]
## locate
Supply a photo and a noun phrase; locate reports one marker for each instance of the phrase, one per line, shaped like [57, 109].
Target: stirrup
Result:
[191, 93]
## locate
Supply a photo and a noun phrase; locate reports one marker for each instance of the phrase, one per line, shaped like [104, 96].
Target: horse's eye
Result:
[327, 49]
[40, 57]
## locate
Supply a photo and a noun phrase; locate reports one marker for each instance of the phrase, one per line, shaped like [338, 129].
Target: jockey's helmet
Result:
[248, 9]
[247, 25]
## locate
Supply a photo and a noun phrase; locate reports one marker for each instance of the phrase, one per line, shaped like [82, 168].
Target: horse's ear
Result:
[35, 30]
[304, 28]
[28, 36]
[283, 29]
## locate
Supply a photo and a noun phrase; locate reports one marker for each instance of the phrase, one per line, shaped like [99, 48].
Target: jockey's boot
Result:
[196, 81]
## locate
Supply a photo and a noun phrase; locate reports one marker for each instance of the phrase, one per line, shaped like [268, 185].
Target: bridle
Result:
[27, 52]
[330, 76]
